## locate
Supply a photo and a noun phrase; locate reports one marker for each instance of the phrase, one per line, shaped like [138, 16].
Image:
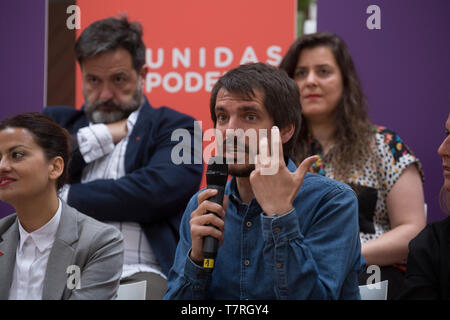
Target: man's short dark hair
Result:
[111, 34]
[281, 94]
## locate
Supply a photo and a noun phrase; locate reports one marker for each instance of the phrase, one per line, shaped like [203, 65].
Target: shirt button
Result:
[276, 230]
[247, 263]
[279, 265]
[249, 224]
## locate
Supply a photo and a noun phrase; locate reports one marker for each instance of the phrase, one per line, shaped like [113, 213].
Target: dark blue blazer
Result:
[154, 192]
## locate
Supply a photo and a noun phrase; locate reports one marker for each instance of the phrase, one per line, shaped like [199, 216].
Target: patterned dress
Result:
[373, 178]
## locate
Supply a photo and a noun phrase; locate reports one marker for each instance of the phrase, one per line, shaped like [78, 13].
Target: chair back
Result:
[375, 291]
[132, 291]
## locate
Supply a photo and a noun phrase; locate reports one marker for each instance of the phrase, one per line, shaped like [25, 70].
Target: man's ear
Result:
[56, 168]
[142, 74]
[287, 132]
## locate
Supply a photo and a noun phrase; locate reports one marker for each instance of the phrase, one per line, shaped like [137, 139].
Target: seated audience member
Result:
[288, 235]
[428, 264]
[122, 171]
[373, 160]
[49, 250]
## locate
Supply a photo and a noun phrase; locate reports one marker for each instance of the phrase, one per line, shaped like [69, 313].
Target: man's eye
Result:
[251, 117]
[119, 79]
[93, 80]
[221, 117]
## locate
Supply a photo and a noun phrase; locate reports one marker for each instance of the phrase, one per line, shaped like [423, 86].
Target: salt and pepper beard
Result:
[122, 111]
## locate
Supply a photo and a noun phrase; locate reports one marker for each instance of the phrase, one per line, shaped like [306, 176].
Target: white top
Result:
[31, 260]
[107, 161]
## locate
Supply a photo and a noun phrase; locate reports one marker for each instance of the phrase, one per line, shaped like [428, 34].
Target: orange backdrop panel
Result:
[191, 43]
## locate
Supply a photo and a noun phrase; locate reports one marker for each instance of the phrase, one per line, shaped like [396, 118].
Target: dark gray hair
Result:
[110, 34]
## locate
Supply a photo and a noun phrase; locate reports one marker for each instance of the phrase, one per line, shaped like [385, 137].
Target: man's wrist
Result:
[118, 130]
[277, 211]
[198, 260]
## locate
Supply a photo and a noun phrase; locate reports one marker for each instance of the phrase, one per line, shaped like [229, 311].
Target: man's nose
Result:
[106, 92]
[233, 123]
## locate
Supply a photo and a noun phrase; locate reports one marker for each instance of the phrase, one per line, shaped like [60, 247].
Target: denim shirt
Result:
[311, 252]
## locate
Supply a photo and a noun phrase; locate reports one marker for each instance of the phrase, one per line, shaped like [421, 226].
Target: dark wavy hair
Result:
[111, 34]
[354, 130]
[50, 136]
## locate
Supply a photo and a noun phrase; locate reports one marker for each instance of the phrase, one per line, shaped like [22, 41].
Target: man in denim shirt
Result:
[283, 235]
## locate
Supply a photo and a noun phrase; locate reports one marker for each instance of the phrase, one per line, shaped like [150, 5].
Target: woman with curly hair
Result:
[373, 160]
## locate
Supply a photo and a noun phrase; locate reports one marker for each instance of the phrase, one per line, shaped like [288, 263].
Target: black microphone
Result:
[216, 178]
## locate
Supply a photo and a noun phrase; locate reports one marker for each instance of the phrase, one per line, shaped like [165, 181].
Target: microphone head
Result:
[217, 171]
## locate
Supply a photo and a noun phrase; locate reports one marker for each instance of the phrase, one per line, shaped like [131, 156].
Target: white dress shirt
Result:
[107, 161]
[31, 260]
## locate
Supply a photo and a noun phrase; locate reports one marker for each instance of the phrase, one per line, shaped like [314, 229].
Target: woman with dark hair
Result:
[428, 264]
[49, 250]
[373, 160]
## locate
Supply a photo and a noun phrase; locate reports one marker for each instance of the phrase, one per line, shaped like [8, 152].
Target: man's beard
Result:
[239, 160]
[242, 172]
[118, 112]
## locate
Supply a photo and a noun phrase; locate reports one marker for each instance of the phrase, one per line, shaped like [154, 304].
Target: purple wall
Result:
[22, 35]
[404, 70]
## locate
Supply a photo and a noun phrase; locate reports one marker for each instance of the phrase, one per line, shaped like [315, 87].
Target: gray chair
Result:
[374, 291]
